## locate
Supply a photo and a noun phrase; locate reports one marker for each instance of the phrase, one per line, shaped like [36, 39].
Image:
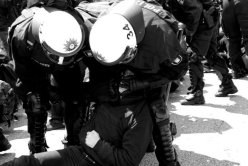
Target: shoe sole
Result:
[197, 103]
[226, 94]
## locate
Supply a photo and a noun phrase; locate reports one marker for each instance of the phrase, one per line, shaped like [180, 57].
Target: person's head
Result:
[60, 33]
[115, 35]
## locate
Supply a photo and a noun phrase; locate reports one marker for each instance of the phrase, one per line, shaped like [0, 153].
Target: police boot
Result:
[36, 110]
[4, 143]
[194, 99]
[193, 82]
[37, 132]
[165, 152]
[227, 87]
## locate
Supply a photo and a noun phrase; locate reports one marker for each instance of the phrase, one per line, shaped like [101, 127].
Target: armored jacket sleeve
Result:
[159, 48]
[32, 76]
[176, 64]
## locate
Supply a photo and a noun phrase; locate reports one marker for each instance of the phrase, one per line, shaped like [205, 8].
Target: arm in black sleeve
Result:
[134, 142]
[173, 58]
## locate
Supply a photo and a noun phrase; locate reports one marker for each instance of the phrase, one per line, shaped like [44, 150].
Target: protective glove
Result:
[131, 85]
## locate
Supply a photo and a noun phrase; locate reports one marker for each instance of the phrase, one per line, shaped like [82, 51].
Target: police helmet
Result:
[115, 35]
[60, 33]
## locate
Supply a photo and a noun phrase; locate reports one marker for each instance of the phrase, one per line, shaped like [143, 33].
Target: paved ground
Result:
[214, 134]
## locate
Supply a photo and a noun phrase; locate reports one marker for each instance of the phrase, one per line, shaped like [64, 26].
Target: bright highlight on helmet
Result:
[115, 35]
[59, 33]
[112, 36]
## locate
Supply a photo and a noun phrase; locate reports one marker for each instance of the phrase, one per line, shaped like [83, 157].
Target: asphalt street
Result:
[213, 134]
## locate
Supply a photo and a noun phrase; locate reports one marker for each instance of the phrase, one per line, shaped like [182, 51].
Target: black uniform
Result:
[235, 26]
[202, 19]
[169, 62]
[34, 83]
[146, 77]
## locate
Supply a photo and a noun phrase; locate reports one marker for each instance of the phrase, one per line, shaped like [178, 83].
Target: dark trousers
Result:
[235, 26]
[71, 156]
[204, 44]
[70, 89]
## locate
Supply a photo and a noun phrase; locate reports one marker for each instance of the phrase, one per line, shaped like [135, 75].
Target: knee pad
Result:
[159, 110]
[35, 105]
[196, 68]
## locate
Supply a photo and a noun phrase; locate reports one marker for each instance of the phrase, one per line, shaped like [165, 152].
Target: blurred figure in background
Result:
[7, 106]
[235, 26]
[202, 22]
[9, 11]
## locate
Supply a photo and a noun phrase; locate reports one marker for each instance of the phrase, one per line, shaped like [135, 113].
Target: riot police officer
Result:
[139, 55]
[46, 40]
[201, 19]
[235, 25]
